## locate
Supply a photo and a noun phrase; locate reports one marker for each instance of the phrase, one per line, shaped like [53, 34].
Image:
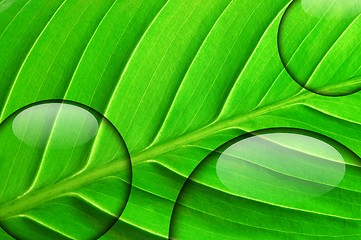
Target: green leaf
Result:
[176, 78]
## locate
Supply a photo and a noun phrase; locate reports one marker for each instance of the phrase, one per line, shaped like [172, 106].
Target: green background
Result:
[177, 78]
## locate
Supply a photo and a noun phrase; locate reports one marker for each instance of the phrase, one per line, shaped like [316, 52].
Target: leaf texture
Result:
[177, 79]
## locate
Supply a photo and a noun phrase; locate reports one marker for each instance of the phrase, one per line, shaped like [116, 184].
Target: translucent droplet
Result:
[272, 184]
[65, 172]
[319, 45]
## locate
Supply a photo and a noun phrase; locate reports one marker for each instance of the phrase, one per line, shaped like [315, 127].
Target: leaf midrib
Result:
[46, 193]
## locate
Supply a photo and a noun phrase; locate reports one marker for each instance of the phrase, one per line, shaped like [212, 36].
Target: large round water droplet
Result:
[319, 45]
[65, 172]
[272, 184]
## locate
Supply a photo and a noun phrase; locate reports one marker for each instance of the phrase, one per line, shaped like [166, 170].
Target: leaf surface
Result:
[177, 79]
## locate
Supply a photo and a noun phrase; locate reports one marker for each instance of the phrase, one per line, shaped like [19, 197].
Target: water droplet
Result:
[65, 171]
[279, 183]
[319, 45]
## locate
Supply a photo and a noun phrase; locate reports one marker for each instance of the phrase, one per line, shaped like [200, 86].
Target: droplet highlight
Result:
[65, 172]
[74, 125]
[276, 183]
[319, 45]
